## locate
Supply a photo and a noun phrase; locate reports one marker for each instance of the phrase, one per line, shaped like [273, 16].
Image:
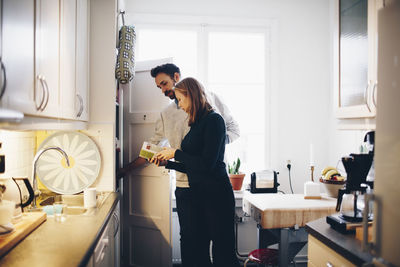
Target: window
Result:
[229, 61]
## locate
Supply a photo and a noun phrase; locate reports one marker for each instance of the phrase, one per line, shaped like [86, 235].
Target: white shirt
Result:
[172, 125]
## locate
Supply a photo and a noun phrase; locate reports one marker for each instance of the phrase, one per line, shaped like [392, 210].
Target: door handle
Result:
[39, 107]
[4, 85]
[79, 113]
[47, 94]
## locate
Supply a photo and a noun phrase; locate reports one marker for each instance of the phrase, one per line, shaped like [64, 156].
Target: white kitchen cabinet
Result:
[355, 59]
[82, 61]
[45, 51]
[47, 60]
[67, 57]
[74, 57]
[18, 55]
[107, 250]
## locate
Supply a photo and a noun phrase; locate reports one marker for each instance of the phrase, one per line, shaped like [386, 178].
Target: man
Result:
[173, 126]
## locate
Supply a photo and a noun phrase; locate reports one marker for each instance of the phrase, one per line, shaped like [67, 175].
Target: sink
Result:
[75, 203]
[76, 210]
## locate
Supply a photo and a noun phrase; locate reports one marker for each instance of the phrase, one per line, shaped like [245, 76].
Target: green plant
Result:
[234, 168]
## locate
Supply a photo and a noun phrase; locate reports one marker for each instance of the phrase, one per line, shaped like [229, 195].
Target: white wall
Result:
[302, 97]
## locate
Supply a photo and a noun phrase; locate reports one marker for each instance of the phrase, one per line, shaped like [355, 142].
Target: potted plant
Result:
[235, 176]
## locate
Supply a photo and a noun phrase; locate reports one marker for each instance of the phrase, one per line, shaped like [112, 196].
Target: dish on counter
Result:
[84, 158]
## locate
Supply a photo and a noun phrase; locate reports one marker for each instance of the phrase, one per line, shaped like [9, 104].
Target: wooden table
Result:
[284, 216]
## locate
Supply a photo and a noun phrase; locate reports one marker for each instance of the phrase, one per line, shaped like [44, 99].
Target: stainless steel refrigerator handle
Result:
[366, 246]
[366, 95]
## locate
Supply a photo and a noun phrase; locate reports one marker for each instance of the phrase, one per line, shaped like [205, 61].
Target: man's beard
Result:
[170, 94]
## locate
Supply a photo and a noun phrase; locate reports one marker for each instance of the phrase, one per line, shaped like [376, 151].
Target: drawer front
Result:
[321, 255]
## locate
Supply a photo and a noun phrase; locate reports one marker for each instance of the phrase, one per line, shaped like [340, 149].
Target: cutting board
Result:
[286, 210]
[28, 223]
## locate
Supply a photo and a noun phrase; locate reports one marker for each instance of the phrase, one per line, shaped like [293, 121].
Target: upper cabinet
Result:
[45, 54]
[82, 60]
[355, 58]
[74, 54]
[18, 50]
[47, 59]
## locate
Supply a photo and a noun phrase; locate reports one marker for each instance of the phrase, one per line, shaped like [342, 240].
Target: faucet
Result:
[35, 159]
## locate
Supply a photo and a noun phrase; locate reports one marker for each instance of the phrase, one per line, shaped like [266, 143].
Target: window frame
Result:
[203, 25]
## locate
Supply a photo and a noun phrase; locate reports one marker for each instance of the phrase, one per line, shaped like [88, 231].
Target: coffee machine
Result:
[350, 202]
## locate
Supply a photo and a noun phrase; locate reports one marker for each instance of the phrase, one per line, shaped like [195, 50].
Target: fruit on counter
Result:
[331, 174]
[324, 171]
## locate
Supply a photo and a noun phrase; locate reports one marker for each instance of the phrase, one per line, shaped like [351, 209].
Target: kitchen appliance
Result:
[265, 181]
[350, 200]
[15, 192]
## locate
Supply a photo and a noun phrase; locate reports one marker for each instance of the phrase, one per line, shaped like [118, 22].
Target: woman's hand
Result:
[166, 154]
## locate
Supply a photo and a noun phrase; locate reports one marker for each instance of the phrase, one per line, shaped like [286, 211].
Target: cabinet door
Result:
[355, 59]
[18, 55]
[82, 61]
[67, 57]
[47, 56]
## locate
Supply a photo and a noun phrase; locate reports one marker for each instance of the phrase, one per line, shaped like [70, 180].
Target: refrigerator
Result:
[146, 191]
[385, 245]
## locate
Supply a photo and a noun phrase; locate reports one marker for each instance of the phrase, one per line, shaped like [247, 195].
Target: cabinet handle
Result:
[366, 95]
[47, 94]
[328, 264]
[80, 105]
[373, 94]
[43, 97]
[3, 86]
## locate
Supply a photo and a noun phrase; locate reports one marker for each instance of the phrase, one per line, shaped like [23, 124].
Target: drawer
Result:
[321, 255]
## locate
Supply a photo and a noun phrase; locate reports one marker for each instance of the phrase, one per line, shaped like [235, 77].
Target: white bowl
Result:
[6, 211]
[332, 188]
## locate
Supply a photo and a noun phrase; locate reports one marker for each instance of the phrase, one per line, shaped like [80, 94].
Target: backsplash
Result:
[19, 150]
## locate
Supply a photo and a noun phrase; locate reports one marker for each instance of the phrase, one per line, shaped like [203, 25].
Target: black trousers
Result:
[195, 243]
[215, 211]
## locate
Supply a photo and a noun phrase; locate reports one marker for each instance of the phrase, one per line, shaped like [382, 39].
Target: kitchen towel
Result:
[125, 67]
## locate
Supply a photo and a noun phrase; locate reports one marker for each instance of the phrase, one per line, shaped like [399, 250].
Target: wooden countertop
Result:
[69, 243]
[286, 210]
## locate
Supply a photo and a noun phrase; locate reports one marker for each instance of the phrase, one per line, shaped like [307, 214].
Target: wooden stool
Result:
[265, 256]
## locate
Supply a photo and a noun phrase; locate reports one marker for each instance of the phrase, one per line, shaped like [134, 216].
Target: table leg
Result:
[284, 247]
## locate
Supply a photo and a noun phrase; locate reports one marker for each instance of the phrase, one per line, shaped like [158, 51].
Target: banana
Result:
[324, 171]
[330, 173]
[339, 178]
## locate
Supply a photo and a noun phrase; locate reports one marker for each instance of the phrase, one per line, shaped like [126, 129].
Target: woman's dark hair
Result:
[168, 69]
[194, 90]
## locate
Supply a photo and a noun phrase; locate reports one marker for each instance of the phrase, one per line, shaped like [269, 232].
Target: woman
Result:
[201, 157]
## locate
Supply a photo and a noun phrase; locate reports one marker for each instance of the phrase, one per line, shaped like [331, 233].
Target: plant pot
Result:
[236, 180]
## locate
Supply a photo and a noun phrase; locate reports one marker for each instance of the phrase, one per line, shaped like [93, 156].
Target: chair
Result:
[267, 256]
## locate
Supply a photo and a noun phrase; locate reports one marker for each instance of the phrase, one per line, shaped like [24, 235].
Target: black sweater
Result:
[202, 154]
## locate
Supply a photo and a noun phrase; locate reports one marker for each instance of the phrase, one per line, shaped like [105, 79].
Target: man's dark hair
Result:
[168, 69]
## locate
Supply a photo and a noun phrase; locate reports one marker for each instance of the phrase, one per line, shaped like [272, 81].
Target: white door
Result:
[146, 192]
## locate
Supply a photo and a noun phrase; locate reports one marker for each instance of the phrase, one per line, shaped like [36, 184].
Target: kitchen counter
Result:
[70, 243]
[345, 245]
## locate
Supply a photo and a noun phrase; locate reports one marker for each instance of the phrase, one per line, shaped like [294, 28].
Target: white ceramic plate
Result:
[84, 160]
